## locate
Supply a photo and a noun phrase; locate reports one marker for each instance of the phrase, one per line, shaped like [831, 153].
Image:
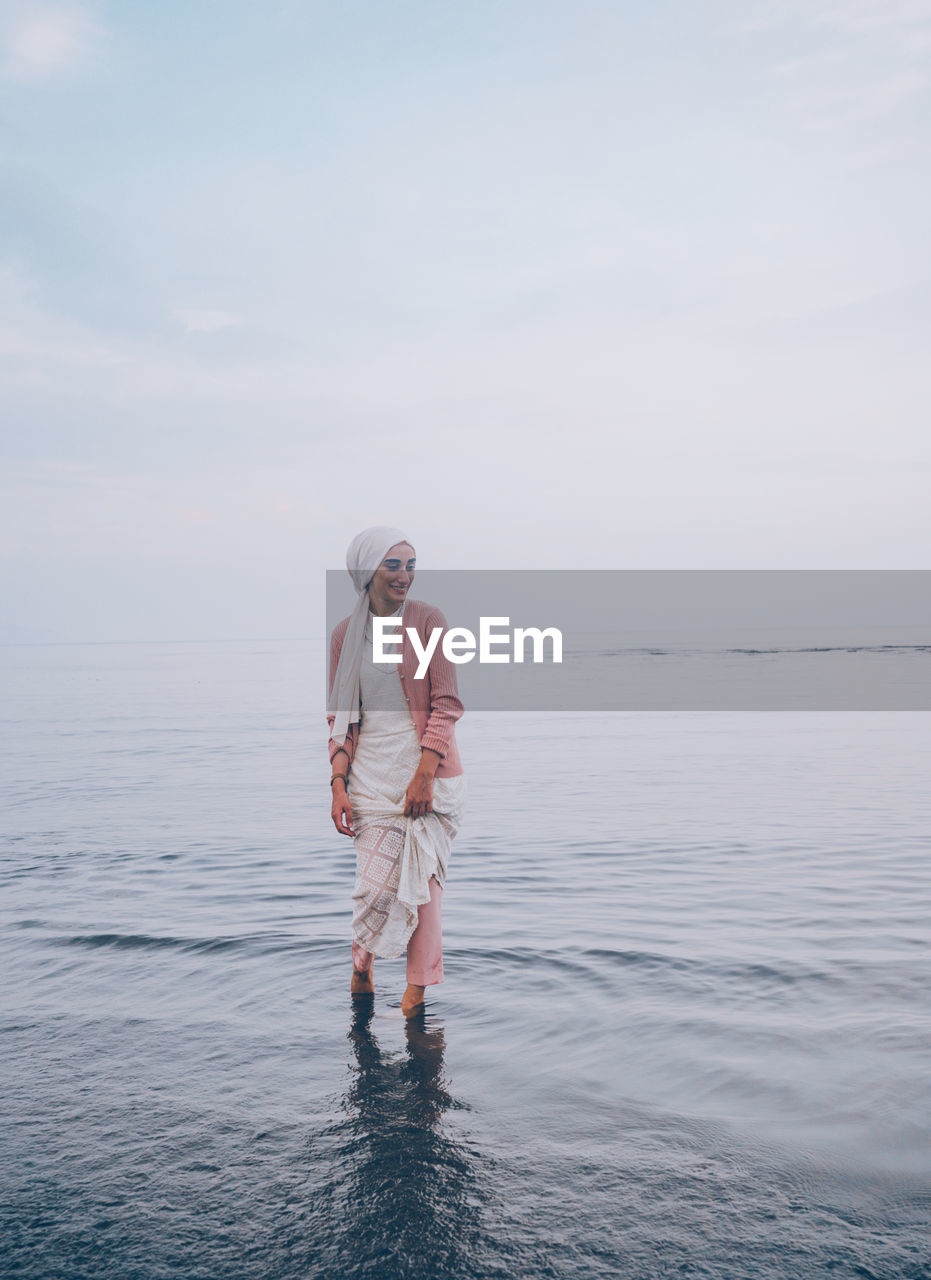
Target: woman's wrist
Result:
[429, 762]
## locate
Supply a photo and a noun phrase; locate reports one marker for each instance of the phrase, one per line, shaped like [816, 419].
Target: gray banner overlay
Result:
[690, 640]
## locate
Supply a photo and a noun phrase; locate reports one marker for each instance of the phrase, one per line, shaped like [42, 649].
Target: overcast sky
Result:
[608, 285]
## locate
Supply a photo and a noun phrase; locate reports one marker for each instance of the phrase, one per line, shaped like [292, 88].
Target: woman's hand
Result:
[419, 798]
[341, 809]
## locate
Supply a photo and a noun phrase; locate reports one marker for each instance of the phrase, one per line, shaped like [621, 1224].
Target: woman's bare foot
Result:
[412, 999]
[362, 984]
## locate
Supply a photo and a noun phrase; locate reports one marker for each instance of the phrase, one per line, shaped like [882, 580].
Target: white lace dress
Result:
[395, 855]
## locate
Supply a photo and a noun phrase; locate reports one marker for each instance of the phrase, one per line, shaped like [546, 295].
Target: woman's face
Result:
[392, 579]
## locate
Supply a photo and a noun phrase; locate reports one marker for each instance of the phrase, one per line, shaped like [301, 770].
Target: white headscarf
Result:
[365, 554]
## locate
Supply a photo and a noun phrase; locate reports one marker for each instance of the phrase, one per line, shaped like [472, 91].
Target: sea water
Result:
[683, 1030]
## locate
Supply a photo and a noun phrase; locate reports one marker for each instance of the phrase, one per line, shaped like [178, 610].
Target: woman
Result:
[398, 786]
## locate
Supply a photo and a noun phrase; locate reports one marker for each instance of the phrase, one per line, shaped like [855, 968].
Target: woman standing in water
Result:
[398, 785]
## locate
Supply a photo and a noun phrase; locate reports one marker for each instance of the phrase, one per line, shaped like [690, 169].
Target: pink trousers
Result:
[425, 949]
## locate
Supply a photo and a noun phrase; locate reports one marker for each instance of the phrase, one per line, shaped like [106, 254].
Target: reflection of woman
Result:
[398, 786]
[416, 1192]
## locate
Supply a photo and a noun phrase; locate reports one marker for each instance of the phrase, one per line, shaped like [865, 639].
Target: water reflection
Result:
[408, 1200]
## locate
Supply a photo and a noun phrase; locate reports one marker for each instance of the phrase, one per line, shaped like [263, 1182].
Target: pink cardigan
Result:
[434, 700]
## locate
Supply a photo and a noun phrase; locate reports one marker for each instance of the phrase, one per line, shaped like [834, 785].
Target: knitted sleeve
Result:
[445, 706]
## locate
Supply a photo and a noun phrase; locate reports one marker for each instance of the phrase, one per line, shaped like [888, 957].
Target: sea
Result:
[684, 1030]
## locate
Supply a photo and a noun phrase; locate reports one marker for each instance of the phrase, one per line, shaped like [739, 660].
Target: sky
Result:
[545, 284]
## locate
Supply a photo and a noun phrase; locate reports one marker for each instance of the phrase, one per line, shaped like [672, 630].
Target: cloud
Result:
[836, 90]
[867, 16]
[40, 41]
[205, 320]
[846, 66]
[853, 16]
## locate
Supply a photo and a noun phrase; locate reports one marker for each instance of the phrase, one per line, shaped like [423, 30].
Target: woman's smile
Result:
[392, 579]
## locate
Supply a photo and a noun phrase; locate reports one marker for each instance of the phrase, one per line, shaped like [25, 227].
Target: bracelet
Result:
[344, 776]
